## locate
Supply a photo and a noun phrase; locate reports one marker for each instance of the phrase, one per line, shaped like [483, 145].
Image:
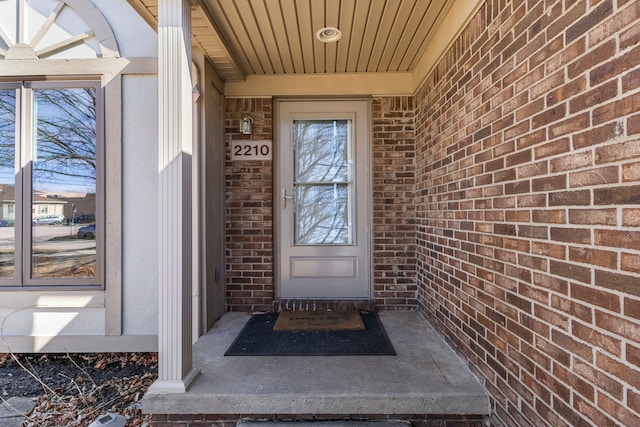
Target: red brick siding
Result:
[527, 207]
[393, 211]
[249, 212]
[226, 420]
[249, 207]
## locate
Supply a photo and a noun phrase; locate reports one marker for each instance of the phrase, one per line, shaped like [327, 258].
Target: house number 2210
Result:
[244, 149]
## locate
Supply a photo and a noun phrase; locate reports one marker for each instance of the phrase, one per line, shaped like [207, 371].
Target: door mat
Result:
[257, 338]
[319, 321]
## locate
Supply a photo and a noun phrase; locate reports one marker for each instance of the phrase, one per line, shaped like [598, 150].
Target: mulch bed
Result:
[74, 389]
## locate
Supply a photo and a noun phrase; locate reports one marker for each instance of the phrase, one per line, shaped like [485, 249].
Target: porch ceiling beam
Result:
[377, 84]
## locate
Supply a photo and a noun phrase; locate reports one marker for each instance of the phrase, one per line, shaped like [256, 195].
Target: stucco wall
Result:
[135, 38]
[527, 202]
[126, 311]
[139, 172]
[140, 205]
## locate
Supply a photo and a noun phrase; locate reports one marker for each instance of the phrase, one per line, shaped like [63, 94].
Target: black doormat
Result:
[258, 338]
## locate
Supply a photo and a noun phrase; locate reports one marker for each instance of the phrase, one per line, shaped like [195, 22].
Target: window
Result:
[50, 176]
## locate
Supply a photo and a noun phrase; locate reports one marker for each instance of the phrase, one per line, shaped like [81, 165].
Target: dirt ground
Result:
[74, 389]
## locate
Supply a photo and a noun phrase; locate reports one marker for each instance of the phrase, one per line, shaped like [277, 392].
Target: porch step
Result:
[345, 423]
[425, 382]
[322, 305]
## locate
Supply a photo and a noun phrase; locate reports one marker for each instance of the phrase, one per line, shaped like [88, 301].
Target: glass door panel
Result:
[322, 182]
[322, 215]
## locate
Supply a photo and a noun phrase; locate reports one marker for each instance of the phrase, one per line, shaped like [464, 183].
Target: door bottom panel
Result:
[323, 267]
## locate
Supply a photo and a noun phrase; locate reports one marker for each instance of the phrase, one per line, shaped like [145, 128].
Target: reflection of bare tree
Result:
[322, 180]
[66, 140]
[7, 129]
[321, 151]
[321, 215]
[62, 149]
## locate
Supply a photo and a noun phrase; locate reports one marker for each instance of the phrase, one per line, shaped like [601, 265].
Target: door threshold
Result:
[308, 304]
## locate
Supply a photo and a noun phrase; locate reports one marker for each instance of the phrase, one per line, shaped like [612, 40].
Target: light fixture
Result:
[328, 34]
[195, 94]
[246, 125]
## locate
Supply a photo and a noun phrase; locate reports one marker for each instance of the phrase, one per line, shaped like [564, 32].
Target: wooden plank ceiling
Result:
[271, 37]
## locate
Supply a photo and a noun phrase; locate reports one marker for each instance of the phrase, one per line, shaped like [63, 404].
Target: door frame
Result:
[366, 186]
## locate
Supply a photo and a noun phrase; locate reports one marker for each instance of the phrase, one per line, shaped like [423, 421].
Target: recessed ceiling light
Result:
[328, 34]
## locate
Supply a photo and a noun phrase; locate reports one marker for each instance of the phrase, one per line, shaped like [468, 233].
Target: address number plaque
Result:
[244, 149]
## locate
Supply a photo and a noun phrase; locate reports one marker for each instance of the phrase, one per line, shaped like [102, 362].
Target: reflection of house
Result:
[42, 204]
[7, 202]
[45, 205]
[499, 195]
[76, 204]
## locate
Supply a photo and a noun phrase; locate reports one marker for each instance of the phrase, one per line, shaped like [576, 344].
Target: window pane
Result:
[322, 216]
[63, 181]
[322, 150]
[7, 181]
[322, 182]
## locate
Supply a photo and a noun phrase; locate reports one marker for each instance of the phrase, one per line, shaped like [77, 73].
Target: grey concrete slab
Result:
[425, 377]
[14, 411]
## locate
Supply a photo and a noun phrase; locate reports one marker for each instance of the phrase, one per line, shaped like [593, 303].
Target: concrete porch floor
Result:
[425, 377]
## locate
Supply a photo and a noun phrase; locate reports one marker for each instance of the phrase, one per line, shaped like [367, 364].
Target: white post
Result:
[175, 370]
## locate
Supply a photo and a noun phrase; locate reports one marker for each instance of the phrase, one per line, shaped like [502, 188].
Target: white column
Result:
[175, 370]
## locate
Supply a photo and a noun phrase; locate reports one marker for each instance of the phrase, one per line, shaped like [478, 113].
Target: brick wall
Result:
[249, 207]
[393, 181]
[249, 212]
[226, 420]
[528, 207]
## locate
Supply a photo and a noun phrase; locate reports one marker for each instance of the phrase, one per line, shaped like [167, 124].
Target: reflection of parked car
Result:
[82, 219]
[48, 219]
[87, 232]
[4, 223]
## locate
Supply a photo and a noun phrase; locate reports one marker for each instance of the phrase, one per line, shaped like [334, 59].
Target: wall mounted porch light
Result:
[328, 34]
[246, 125]
[195, 94]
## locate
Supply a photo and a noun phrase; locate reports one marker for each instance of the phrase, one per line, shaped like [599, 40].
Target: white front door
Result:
[322, 201]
